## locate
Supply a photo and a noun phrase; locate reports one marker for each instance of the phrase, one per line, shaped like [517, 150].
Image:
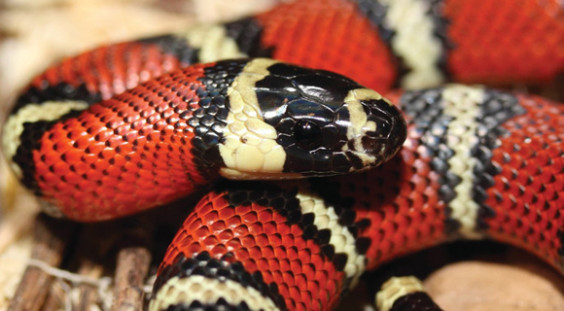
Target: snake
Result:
[367, 176]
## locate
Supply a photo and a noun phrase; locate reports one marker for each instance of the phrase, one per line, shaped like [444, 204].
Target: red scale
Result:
[110, 169]
[295, 30]
[520, 219]
[501, 41]
[263, 241]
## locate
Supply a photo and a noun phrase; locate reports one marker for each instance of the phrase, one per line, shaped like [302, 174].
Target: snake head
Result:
[287, 121]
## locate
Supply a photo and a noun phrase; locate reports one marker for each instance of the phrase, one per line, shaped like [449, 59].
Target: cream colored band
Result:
[414, 42]
[341, 238]
[213, 43]
[208, 291]
[249, 149]
[47, 111]
[396, 288]
[463, 104]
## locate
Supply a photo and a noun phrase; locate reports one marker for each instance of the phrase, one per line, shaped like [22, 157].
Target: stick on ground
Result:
[51, 237]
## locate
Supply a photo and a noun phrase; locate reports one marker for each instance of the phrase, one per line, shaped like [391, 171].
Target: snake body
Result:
[466, 170]
[475, 162]
[165, 138]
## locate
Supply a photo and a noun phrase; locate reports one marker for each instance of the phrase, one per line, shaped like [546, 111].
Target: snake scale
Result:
[129, 126]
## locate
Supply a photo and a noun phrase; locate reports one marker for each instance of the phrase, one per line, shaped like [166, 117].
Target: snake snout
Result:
[386, 129]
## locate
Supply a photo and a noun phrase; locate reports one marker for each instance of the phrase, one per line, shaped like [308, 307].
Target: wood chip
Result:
[51, 237]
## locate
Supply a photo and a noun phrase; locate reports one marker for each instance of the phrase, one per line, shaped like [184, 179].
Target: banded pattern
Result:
[213, 274]
[166, 137]
[139, 142]
[442, 161]
[415, 32]
[444, 39]
[415, 41]
[309, 237]
[404, 294]
[374, 54]
[216, 295]
[460, 135]
[467, 169]
[266, 230]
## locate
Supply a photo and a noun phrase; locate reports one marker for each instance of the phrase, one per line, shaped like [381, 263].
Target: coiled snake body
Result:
[474, 163]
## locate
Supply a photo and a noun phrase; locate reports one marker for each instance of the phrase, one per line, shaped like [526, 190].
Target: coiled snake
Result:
[475, 162]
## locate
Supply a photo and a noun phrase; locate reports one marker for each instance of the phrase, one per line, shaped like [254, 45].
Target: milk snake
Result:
[475, 162]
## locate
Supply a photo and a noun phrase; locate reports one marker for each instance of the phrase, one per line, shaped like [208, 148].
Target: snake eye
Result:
[307, 135]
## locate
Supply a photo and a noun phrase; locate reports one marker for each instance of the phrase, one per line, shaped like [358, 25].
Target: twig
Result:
[131, 271]
[51, 237]
[133, 262]
[58, 297]
[87, 293]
